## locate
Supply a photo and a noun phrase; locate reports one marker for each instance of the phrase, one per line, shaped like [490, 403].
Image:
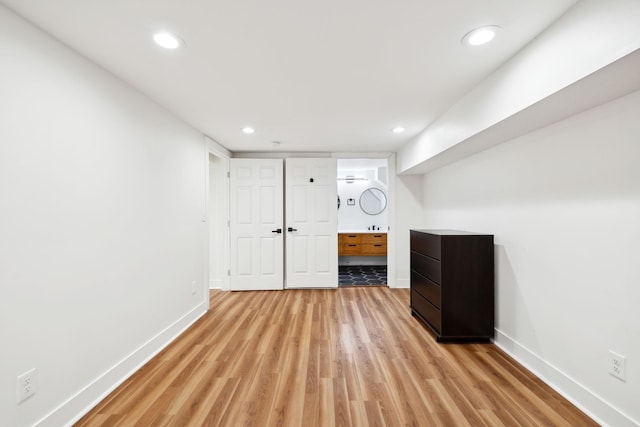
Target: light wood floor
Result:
[347, 357]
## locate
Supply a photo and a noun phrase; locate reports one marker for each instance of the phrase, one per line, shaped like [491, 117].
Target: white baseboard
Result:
[82, 402]
[403, 283]
[219, 284]
[586, 400]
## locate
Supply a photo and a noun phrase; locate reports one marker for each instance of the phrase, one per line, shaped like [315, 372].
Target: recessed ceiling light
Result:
[398, 129]
[481, 35]
[248, 129]
[168, 40]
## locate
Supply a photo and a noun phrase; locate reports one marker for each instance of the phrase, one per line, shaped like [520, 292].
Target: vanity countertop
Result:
[347, 231]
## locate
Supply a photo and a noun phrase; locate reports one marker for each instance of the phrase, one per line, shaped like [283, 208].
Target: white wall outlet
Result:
[617, 365]
[194, 287]
[27, 384]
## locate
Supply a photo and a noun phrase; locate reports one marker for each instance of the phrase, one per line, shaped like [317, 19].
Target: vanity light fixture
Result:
[350, 179]
[480, 36]
[248, 130]
[168, 40]
[398, 129]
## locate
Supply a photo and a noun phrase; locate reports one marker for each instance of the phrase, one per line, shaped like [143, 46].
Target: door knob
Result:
[290, 229]
[279, 230]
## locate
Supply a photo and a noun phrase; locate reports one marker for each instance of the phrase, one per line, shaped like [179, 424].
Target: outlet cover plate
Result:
[27, 385]
[617, 365]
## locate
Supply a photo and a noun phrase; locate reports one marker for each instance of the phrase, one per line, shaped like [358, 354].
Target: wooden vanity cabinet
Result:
[452, 283]
[362, 244]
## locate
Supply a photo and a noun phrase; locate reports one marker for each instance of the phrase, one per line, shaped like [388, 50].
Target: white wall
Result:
[408, 214]
[101, 234]
[564, 205]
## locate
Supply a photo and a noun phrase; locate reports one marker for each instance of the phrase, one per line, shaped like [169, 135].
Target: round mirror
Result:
[373, 201]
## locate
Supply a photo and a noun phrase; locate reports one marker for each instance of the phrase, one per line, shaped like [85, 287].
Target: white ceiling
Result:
[330, 75]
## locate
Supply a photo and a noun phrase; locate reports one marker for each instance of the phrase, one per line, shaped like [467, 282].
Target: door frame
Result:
[221, 208]
[391, 205]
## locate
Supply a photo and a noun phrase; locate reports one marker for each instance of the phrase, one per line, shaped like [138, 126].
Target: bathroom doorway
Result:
[363, 221]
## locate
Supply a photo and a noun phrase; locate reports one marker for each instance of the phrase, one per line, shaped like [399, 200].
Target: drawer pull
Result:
[353, 236]
[377, 245]
[353, 245]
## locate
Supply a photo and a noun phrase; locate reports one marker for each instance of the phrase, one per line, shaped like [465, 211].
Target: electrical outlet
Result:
[194, 287]
[617, 365]
[27, 384]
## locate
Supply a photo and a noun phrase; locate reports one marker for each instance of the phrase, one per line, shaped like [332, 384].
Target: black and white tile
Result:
[362, 275]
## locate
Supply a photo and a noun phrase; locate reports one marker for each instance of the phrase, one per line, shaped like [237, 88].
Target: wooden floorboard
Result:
[347, 357]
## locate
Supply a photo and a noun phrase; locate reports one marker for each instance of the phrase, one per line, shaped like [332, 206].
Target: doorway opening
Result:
[363, 221]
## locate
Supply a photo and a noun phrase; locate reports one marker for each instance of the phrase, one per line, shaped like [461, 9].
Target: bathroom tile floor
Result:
[362, 275]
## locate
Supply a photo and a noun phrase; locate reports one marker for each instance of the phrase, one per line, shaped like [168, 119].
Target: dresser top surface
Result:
[451, 232]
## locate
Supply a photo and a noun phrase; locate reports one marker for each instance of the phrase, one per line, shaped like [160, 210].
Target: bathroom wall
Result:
[350, 216]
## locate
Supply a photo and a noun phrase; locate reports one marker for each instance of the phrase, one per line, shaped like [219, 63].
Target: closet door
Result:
[256, 224]
[312, 223]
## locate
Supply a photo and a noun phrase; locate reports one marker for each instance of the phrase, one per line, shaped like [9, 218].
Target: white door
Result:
[256, 223]
[312, 223]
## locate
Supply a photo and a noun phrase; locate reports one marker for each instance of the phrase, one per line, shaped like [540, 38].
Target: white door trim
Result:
[221, 217]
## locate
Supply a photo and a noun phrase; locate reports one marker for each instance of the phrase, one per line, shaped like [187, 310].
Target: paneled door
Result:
[256, 224]
[312, 223]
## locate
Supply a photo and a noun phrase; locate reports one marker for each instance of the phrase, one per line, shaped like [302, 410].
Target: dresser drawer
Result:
[426, 310]
[425, 287]
[427, 267]
[427, 244]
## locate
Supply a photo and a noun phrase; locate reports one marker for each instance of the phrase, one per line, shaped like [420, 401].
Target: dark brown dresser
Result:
[452, 277]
